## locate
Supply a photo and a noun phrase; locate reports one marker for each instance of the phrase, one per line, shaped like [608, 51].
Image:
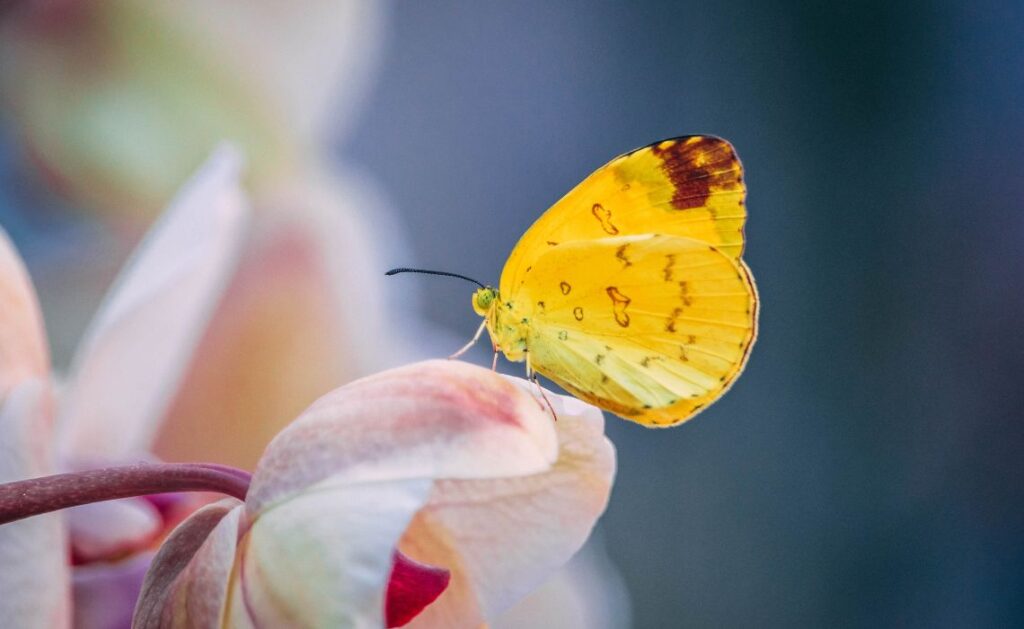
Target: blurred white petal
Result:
[33, 552]
[588, 593]
[23, 352]
[134, 355]
[106, 530]
[303, 314]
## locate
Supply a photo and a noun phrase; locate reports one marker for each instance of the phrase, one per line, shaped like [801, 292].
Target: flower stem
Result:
[25, 498]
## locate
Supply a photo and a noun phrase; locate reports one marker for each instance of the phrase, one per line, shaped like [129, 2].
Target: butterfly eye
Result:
[482, 300]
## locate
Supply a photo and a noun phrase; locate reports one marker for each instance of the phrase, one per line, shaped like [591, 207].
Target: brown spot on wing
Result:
[577, 313]
[620, 255]
[684, 294]
[670, 325]
[565, 287]
[696, 166]
[670, 261]
[619, 304]
[604, 216]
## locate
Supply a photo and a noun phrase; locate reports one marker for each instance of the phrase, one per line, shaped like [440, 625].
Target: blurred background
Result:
[866, 469]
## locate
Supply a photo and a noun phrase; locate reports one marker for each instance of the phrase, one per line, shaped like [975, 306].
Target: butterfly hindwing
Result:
[651, 327]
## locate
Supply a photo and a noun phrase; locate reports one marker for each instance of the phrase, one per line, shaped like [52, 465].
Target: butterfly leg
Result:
[544, 396]
[533, 377]
[471, 343]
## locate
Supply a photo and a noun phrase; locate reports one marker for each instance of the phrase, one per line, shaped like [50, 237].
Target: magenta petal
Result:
[411, 588]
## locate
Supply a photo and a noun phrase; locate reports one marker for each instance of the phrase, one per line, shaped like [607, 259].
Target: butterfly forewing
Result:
[690, 186]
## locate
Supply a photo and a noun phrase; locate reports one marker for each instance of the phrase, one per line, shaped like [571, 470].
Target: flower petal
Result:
[23, 351]
[587, 593]
[317, 240]
[502, 538]
[323, 558]
[140, 342]
[33, 571]
[411, 587]
[188, 581]
[434, 419]
[109, 530]
[105, 593]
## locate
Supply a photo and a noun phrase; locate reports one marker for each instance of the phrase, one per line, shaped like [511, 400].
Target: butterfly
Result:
[631, 292]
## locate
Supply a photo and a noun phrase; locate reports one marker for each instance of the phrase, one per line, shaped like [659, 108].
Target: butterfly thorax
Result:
[507, 324]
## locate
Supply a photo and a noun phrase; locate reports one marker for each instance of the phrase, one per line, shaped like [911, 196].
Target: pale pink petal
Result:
[188, 580]
[308, 294]
[435, 419]
[133, 357]
[105, 593]
[588, 593]
[280, 309]
[23, 351]
[323, 558]
[34, 585]
[106, 530]
[502, 538]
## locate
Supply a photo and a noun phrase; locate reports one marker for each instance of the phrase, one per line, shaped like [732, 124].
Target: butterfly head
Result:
[484, 299]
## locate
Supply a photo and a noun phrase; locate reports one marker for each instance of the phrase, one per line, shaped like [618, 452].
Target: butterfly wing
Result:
[690, 186]
[653, 328]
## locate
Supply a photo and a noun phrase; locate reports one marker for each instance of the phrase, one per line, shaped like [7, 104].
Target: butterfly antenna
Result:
[429, 272]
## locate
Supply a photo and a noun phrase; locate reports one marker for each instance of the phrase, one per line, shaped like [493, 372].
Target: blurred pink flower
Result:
[305, 312]
[118, 101]
[450, 464]
[124, 374]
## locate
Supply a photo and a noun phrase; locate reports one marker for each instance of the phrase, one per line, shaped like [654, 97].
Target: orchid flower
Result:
[124, 374]
[437, 470]
[165, 79]
[450, 447]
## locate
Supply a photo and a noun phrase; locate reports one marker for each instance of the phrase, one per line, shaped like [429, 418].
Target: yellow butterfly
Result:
[630, 291]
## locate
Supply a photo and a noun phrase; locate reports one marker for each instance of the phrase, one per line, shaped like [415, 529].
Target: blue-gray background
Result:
[866, 469]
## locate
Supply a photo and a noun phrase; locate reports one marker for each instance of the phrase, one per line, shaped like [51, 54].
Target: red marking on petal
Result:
[411, 588]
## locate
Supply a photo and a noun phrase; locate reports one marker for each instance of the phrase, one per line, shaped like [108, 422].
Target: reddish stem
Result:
[25, 498]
